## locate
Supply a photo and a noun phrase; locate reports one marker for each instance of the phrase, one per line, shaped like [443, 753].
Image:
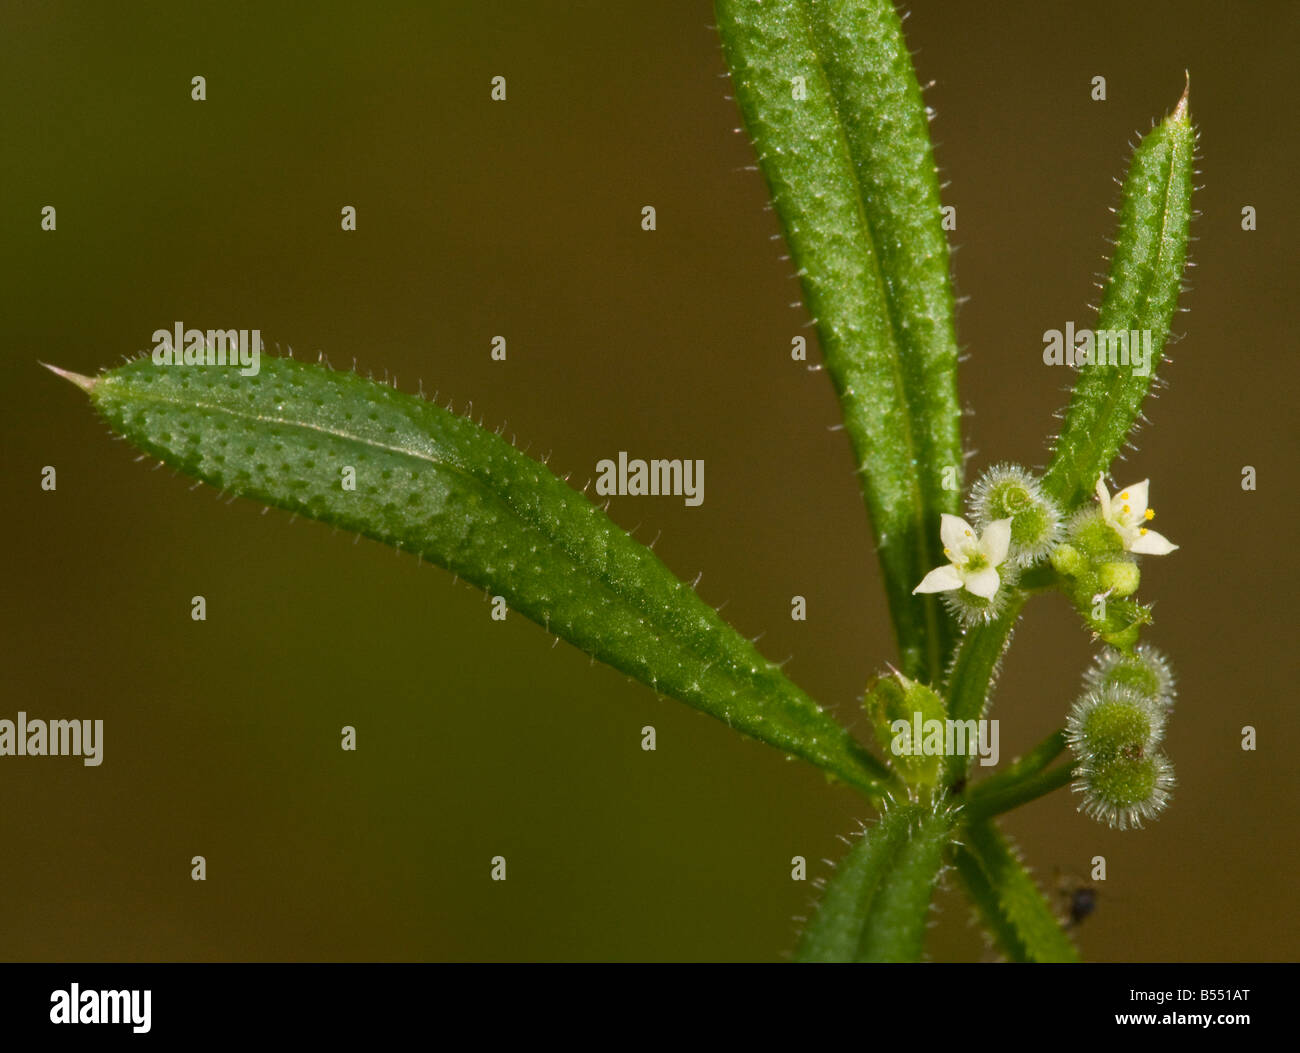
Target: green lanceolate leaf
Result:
[434, 483]
[1010, 904]
[1140, 296]
[829, 97]
[875, 908]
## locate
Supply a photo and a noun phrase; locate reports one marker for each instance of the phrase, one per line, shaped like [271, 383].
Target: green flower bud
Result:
[1068, 560]
[1124, 791]
[1007, 491]
[898, 707]
[1145, 671]
[1119, 577]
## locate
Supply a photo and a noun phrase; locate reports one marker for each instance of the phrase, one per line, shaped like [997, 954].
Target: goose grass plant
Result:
[829, 98]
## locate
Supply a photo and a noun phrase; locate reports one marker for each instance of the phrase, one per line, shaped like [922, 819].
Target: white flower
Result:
[975, 560]
[1126, 512]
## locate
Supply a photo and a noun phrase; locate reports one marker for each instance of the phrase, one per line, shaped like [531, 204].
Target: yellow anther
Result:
[947, 552]
[1124, 496]
[1150, 513]
[1142, 531]
[1127, 510]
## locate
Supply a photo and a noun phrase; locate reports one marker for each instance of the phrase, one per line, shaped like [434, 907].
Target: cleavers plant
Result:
[830, 100]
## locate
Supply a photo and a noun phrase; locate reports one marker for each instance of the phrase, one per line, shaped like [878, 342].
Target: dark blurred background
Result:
[522, 219]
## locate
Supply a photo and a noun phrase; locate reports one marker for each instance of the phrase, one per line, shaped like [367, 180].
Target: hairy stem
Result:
[1028, 778]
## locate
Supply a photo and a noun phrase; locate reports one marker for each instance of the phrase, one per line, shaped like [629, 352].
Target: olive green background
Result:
[522, 218]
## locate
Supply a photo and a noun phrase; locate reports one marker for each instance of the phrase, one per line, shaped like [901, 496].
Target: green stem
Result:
[972, 673]
[987, 801]
[1022, 768]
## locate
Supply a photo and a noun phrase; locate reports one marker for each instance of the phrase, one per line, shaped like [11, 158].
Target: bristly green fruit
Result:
[1008, 491]
[1145, 670]
[1114, 731]
[434, 483]
[1114, 721]
[1123, 792]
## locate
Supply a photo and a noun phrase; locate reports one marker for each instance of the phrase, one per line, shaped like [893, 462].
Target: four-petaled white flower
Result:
[975, 560]
[1126, 512]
